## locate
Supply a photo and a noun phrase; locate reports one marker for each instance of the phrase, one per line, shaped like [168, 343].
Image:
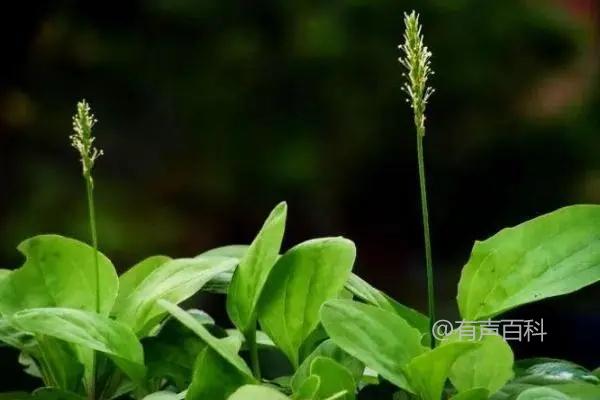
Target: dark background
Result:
[211, 112]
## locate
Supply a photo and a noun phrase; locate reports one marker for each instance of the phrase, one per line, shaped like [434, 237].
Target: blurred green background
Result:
[210, 112]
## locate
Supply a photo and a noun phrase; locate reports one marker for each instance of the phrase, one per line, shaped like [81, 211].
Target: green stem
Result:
[92, 216]
[253, 349]
[425, 215]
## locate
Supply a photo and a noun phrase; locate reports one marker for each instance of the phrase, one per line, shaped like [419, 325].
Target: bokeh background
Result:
[211, 112]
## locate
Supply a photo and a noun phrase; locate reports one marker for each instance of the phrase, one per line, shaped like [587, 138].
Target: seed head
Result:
[82, 139]
[416, 60]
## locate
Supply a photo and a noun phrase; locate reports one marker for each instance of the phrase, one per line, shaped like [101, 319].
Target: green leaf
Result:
[316, 337]
[14, 337]
[90, 330]
[174, 281]
[302, 280]
[253, 270]
[233, 250]
[58, 272]
[4, 273]
[334, 378]
[220, 283]
[132, 278]
[364, 291]
[573, 391]
[214, 343]
[551, 255]
[428, 372]
[489, 366]
[578, 391]
[261, 338]
[328, 349]
[255, 392]
[214, 376]
[542, 393]
[382, 340]
[547, 371]
[172, 353]
[510, 391]
[308, 389]
[472, 394]
[163, 395]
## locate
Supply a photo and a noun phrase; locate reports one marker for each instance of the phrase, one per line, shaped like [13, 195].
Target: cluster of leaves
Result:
[324, 333]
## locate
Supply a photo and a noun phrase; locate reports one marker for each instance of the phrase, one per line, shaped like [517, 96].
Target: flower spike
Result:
[416, 60]
[82, 140]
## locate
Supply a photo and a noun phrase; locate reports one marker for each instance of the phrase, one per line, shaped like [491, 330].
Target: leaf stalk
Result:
[253, 350]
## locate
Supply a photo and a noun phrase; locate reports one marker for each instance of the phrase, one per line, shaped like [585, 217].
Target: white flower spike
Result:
[416, 60]
[82, 140]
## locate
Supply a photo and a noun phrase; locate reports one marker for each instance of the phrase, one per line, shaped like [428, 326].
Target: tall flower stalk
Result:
[416, 60]
[83, 141]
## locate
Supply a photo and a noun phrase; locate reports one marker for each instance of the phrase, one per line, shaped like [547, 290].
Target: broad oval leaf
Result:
[58, 272]
[253, 270]
[489, 366]
[381, 339]
[131, 279]
[214, 343]
[302, 280]
[428, 372]
[364, 291]
[174, 281]
[551, 255]
[334, 379]
[255, 392]
[89, 330]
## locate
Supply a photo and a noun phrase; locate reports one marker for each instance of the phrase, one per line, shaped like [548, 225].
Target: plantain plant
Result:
[303, 326]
